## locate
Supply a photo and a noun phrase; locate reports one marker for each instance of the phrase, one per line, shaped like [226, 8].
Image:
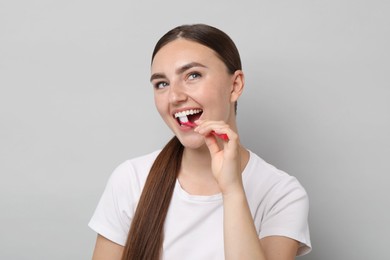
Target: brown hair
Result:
[145, 238]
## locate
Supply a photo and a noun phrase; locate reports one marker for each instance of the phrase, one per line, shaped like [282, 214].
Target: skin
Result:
[188, 75]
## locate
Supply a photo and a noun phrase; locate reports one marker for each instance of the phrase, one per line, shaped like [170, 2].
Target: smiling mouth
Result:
[190, 115]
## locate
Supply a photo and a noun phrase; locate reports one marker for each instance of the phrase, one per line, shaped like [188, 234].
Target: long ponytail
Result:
[145, 238]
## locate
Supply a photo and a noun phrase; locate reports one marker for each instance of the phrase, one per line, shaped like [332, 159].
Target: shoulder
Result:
[117, 205]
[264, 180]
[265, 173]
[133, 171]
[278, 202]
[137, 165]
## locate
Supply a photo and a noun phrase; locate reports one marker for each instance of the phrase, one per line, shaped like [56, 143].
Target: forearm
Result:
[240, 237]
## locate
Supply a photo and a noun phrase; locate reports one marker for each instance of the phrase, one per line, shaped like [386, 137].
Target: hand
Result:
[225, 154]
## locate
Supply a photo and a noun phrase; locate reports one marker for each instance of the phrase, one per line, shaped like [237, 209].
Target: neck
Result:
[196, 176]
[197, 161]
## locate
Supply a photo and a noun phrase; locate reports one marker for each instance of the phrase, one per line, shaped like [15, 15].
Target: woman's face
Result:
[189, 78]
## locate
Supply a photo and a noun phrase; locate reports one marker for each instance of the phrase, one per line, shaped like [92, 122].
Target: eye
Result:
[160, 85]
[194, 75]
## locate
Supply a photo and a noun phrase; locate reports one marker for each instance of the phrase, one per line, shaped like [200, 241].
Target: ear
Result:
[238, 85]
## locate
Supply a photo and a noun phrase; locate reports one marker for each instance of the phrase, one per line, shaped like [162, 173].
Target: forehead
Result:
[182, 51]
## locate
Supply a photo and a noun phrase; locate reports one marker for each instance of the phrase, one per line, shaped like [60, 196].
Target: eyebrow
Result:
[180, 70]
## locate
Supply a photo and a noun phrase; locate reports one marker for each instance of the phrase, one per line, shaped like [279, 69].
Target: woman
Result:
[204, 196]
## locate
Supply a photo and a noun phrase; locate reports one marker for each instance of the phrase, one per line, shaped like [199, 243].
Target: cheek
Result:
[222, 84]
[221, 92]
[158, 102]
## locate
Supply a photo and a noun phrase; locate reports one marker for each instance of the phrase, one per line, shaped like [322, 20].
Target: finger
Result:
[212, 144]
[231, 145]
[224, 137]
[210, 127]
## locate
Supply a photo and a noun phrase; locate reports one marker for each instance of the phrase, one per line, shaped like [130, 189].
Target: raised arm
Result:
[241, 240]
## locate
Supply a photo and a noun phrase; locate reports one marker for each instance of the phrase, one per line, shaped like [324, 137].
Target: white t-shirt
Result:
[194, 224]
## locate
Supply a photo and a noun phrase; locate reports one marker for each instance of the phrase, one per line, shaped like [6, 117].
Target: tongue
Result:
[188, 123]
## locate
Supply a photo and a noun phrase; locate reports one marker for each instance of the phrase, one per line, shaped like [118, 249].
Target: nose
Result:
[176, 93]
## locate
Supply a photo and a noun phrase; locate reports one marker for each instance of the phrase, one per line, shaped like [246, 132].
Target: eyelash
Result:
[157, 85]
[195, 75]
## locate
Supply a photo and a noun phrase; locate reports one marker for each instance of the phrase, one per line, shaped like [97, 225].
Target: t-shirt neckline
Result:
[209, 198]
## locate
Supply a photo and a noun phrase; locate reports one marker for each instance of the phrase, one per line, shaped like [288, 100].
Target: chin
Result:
[191, 142]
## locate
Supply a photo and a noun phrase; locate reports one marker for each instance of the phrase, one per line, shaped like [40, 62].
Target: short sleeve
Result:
[287, 214]
[113, 214]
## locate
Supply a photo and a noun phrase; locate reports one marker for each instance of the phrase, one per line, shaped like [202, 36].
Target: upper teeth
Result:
[187, 113]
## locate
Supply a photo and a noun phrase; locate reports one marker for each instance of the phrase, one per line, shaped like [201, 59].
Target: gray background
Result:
[75, 102]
